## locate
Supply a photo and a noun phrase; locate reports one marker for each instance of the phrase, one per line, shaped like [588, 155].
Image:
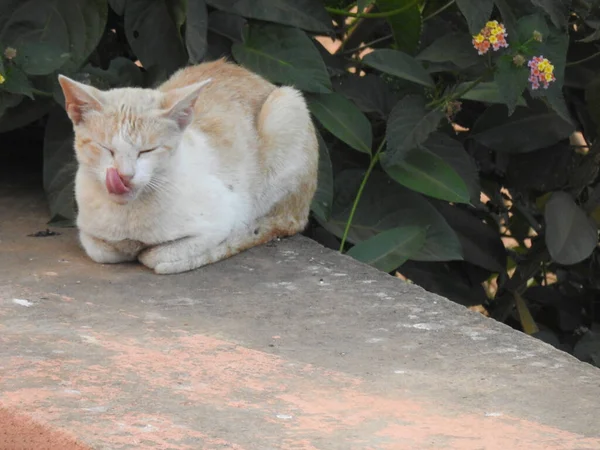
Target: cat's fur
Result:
[234, 166]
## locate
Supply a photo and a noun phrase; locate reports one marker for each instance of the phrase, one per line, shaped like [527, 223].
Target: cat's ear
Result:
[179, 103]
[79, 98]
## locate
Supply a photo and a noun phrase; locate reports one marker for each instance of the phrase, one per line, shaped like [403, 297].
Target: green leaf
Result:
[398, 64]
[528, 24]
[363, 4]
[228, 25]
[409, 125]
[455, 48]
[477, 13]
[406, 26]
[370, 93]
[424, 172]
[17, 111]
[59, 167]
[385, 205]
[558, 10]
[481, 244]
[390, 249]
[309, 15]
[592, 98]
[85, 22]
[509, 19]
[17, 83]
[154, 36]
[512, 81]
[40, 58]
[571, 236]
[323, 199]
[283, 55]
[526, 130]
[196, 29]
[439, 168]
[487, 92]
[118, 6]
[343, 119]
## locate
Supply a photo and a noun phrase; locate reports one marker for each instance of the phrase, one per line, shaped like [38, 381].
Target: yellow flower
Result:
[492, 24]
[493, 39]
[479, 38]
[549, 76]
[2, 79]
[537, 36]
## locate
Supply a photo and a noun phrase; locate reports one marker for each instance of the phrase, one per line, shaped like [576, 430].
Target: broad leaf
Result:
[390, 249]
[51, 34]
[196, 29]
[154, 36]
[398, 64]
[512, 81]
[481, 244]
[384, 205]
[488, 92]
[526, 130]
[228, 25]
[477, 13]
[528, 24]
[17, 83]
[455, 48]
[17, 111]
[283, 55]
[343, 119]
[370, 93]
[410, 124]
[439, 168]
[406, 25]
[323, 199]
[59, 168]
[571, 236]
[306, 14]
[427, 173]
[558, 10]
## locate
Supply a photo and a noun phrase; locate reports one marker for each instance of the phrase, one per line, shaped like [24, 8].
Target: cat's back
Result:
[231, 86]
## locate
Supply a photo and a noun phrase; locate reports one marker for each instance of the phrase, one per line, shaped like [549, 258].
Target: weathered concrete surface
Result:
[288, 346]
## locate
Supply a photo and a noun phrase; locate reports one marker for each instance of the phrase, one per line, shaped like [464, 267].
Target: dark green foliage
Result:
[436, 162]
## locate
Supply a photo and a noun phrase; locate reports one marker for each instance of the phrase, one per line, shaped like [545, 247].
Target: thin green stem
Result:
[366, 45]
[574, 63]
[379, 15]
[41, 93]
[374, 161]
[441, 10]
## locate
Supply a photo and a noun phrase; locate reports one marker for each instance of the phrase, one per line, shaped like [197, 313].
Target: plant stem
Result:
[374, 161]
[366, 45]
[574, 63]
[442, 9]
[41, 93]
[379, 15]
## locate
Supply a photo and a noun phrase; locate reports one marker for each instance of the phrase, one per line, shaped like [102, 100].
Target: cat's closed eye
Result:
[141, 152]
[112, 153]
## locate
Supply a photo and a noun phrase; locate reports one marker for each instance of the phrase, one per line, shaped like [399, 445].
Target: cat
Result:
[214, 161]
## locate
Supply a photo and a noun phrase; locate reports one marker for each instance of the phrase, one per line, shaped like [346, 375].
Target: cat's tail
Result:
[289, 150]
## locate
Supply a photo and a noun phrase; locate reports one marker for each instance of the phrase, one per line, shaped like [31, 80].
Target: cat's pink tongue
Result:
[114, 183]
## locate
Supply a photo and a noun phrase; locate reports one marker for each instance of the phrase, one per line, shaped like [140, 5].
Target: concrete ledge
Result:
[287, 346]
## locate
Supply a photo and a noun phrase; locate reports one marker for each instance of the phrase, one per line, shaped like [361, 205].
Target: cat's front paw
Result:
[163, 260]
[101, 251]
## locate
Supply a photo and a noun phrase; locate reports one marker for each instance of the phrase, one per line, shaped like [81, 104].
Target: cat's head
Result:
[125, 137]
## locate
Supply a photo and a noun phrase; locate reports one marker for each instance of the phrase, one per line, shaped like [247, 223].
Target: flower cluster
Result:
[492, 35]
[541, 72]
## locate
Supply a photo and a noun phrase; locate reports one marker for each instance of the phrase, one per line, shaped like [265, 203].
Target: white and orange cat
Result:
[213, 162]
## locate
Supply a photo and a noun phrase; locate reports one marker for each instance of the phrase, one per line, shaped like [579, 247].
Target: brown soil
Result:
[18, 432]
